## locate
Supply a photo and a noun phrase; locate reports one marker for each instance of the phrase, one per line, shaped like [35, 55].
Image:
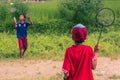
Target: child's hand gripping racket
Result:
[96, 48]
[104, 18]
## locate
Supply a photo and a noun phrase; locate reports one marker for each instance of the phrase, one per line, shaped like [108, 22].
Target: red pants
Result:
[22, 43]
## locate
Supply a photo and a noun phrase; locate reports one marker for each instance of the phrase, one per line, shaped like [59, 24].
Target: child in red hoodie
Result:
[79, 59]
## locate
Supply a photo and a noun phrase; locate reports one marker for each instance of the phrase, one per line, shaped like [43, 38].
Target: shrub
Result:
[80, 10]
[3, 14]
[53, 26]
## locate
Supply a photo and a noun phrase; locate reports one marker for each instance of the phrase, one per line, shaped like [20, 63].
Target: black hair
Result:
[80, 41]
[24, 16]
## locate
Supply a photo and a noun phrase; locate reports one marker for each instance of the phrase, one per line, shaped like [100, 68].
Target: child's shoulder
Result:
[87, 46]
[76, 46]
[70, 47]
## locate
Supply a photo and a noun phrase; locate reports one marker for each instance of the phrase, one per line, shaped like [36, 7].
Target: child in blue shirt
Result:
[21, 28]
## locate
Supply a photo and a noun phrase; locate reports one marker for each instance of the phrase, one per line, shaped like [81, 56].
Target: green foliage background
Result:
[50, 34]
[74, 10]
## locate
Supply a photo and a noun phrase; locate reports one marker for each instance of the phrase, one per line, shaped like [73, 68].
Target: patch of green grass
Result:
[58, 76]
[43, 11]
[41, 46]
[53, 46]
[114, 76]
[99, 74]
[114, 4]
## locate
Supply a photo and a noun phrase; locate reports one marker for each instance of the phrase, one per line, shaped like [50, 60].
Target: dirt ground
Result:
[22, 69]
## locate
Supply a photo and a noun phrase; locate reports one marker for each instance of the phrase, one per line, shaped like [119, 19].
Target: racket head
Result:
[13, 9]
[105, 17]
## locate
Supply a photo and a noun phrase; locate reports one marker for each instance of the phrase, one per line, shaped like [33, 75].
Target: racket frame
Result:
[102, 25]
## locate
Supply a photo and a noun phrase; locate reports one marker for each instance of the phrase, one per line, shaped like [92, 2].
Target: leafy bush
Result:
[79, 10]
[53, 26]
[19, 8]
[4, 14]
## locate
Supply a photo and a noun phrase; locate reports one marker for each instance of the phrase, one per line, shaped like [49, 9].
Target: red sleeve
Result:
[66, 63]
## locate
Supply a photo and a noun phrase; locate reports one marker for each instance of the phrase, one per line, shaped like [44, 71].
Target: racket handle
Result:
[98, 41]
[100, 35]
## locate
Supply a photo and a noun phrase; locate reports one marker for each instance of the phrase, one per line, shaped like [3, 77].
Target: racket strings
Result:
[105, 17]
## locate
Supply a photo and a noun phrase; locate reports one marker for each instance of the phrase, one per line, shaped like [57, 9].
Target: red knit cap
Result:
[79, 32]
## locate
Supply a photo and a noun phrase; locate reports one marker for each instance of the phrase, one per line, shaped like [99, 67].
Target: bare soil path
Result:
[22, 69]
